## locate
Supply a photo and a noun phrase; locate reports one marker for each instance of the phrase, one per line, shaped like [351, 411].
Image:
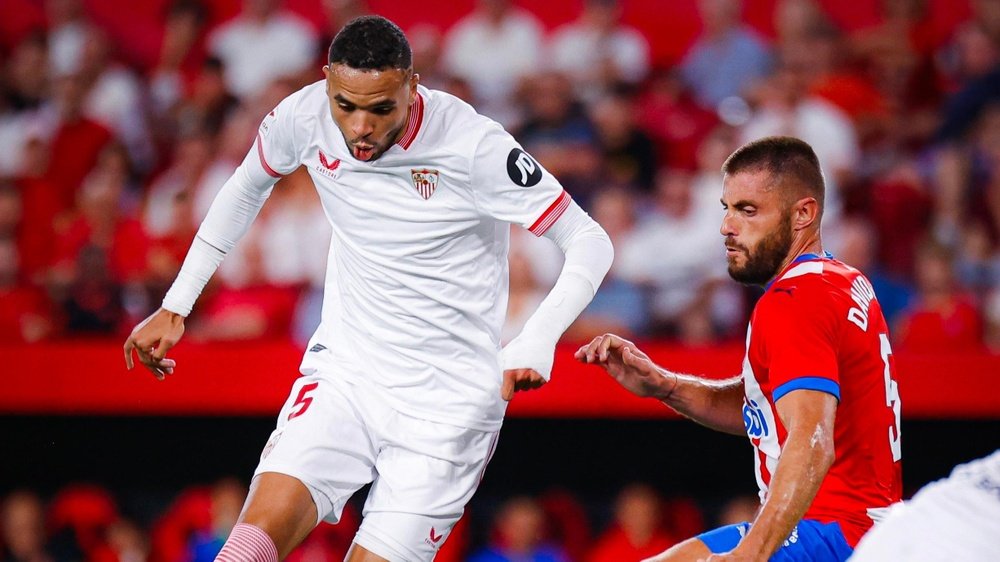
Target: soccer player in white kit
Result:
[955, 518]
[404, 384]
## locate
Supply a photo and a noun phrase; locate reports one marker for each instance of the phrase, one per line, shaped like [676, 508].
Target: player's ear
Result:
[805, 213]
[414, 80]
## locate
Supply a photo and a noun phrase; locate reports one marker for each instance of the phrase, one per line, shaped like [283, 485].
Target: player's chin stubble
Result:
[763, 261]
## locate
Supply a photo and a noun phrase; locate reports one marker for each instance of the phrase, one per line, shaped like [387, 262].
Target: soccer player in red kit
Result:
[817, 396]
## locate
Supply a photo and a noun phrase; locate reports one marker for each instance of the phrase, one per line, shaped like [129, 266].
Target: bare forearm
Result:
[805, 460]
[717, 404]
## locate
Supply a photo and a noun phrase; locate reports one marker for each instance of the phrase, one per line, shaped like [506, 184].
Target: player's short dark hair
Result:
[371, 43]
[787, 159]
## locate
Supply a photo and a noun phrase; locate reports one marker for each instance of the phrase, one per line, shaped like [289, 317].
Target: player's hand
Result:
[527, 364]
[151, 340]
[515, 380]
[632, 368]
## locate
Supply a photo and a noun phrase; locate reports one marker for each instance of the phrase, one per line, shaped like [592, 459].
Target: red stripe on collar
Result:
[413, 123]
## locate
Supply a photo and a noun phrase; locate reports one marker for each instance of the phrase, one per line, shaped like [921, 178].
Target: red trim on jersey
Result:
[552, 214]
[413, 123]
[263, 162]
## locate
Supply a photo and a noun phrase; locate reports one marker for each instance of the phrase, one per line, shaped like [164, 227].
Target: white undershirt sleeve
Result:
[234, 209]
[588, 258]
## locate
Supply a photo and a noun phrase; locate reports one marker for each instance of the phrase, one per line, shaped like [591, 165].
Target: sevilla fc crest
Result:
[425, 181]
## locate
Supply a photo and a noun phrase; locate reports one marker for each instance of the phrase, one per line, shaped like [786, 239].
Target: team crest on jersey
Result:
[425, 181]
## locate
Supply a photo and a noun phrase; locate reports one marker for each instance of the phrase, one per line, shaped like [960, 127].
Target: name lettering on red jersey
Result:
[862, 294]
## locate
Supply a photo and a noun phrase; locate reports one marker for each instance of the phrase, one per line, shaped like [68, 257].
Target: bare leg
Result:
[690, 550]
[359, 553]
[282, 507]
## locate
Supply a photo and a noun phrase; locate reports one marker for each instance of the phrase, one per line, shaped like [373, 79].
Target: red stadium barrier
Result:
[253, 379]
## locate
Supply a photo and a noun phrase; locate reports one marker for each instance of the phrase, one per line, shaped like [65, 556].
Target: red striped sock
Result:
[248, 544]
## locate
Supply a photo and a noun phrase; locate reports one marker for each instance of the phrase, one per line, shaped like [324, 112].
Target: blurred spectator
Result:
[67, 34]
[23, 88]
[795, 22]
[972, 53]
[518, 535]
[942, 318]
[629, 154]
[25, 313]
[739, 510]
[492, 49]
[897, 54]
[674, 120]
[127, 542]
[620, 305]
[336, 14]
[787, 108]
[226, 500]
[114, 98]
[637, 532]
[558, 133]
[525, 293]
[103, 222]
[901, 209]
[971, 65]
[208, 106]
[76, 140]
[977, 265]
[262, 44]
[991, 312]
[857, 245]
[182, 54]
[232, 145]
[670, 253]
[728, 56]
[168, 216]
[42, 212]
[819, 51]
[79, 518]
[598, 52]
[22, 522]
[568, 526]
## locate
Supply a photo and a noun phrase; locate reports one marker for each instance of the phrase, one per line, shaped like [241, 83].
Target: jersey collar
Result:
[413, 123]
[800, 259]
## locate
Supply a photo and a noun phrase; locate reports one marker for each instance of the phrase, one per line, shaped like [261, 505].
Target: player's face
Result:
[757, 227]
[370, 106]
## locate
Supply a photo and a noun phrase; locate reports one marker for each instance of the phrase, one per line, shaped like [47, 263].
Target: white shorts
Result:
[335, 437]
[947, 520]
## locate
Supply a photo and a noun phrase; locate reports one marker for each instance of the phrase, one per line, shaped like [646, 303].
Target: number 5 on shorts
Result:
[302, 402]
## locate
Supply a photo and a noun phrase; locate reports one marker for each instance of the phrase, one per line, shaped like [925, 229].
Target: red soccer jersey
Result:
[819, 327]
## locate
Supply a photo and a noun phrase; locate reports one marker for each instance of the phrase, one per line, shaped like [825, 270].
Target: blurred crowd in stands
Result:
[83, 522]
[107, 169]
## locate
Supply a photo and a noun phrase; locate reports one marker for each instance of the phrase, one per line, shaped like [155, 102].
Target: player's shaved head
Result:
[790, 162]
[371, 43]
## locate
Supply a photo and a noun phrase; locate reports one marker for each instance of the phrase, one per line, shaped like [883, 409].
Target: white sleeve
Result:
[588, 258]
[235, 207]
[511, 186]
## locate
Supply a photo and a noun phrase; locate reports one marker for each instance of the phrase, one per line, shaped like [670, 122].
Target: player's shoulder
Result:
[453, 123]
[813, 282]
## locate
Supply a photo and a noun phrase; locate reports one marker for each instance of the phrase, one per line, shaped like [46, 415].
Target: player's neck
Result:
[808, 244]
[402, 129]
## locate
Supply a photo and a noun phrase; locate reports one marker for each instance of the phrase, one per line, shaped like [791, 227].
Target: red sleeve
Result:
[801, 334]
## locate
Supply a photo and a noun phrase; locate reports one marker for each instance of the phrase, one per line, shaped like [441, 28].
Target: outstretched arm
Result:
[228, 219]
[712, 403]
[805, 458]
[527, 359]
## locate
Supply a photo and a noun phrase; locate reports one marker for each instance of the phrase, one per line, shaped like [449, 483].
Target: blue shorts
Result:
[810, 541]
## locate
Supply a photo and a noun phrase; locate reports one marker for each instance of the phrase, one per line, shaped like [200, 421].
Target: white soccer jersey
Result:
[416, 288]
